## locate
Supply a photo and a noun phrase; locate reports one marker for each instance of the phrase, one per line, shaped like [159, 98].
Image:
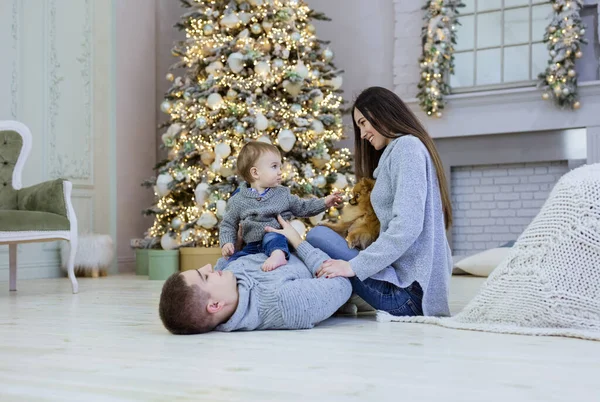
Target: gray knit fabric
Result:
[254, 212]
[286, 298]
[412, 239]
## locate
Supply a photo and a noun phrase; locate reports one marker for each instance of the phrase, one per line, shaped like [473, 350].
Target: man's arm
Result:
[306, 302]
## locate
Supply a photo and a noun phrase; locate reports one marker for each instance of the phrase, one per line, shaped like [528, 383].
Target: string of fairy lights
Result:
[254, 71]
[564, 37]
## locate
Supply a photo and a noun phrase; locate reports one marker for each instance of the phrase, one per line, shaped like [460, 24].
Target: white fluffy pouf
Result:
[94, 255]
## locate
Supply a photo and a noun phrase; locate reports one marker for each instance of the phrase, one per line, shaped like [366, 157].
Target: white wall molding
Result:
[71, 162]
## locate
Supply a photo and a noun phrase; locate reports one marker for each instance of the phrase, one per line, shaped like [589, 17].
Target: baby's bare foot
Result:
[276, 260]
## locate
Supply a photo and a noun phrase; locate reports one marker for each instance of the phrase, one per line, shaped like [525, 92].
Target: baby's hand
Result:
[227, 250]
[334, 200]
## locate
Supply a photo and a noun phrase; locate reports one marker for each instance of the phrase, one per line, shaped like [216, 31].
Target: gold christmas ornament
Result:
[170, 77]
[578, 54]
[576, 105]
[207, 157]
[545, 96]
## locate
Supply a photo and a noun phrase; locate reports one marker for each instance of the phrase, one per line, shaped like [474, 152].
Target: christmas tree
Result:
[254, 70]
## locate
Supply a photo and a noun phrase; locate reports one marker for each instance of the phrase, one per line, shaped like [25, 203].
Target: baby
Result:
[259, 202]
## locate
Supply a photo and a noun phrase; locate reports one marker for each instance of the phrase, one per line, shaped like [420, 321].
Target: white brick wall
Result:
[493, 204]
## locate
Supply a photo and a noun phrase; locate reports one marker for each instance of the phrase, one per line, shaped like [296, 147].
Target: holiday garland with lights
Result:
[254, 70]
[564, 37]
[437, 61]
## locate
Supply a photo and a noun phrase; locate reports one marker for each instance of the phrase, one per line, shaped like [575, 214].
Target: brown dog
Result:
[358, 223]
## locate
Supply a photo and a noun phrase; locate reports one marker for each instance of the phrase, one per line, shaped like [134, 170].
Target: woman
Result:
[406, 271]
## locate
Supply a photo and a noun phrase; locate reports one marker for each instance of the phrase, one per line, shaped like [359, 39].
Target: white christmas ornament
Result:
[214, 101]
[293, 88]
[245, 17]
[173, 130]
[299, 226]
[176, 223]
[340, 182]
[267, 26]
[308, 171]
[216, 165]
[230, 20]
[200, 193]
[214, 67]
[264, 138]
[319, 98]
[231, 94]
[166, 107]
[186, 235]
[301, 69]
[320, 181]
[286, 140]
[261, 122]
[317, 126]
[168, 243]
[221, 206]
[162, 184]
[223, 150]
[262, 68]
[236, 62]
[336, 82]
[207, 220]
[314, 220]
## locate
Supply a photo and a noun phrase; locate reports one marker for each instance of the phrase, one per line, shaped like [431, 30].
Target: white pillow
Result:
[455, 269]
[482, 264]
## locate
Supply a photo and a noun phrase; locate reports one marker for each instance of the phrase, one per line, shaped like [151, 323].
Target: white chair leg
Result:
[71, 265]
[12, 258]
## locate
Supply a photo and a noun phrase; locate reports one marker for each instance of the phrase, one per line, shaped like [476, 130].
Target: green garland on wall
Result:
[437, 61]
[564, 37]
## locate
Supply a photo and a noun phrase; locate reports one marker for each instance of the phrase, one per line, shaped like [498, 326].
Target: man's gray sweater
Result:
[254, 212]
[286, 298]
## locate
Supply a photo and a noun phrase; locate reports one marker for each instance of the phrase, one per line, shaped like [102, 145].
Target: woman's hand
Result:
[333, 268]
[287, 230]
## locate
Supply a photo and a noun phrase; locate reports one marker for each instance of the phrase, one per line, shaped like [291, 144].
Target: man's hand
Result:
[287, 230]
[333, 268]
[334, 200]
[227, 250]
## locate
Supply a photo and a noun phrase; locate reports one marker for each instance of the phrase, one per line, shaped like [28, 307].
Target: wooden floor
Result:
[107, 344]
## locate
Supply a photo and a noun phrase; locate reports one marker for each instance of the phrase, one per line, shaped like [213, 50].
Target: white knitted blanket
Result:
[549, 284]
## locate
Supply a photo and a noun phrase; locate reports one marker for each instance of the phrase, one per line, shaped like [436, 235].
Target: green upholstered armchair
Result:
[38, 213]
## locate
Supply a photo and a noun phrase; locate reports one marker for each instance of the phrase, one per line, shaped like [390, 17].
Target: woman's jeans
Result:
[380, 295]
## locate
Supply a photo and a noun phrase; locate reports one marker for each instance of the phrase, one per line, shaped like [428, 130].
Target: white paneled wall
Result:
[57, 77]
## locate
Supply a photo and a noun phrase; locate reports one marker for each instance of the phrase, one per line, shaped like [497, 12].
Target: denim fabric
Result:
[269, 243]
[380, 294]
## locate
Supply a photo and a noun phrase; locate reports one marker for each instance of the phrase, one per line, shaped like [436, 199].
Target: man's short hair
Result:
[182, 307]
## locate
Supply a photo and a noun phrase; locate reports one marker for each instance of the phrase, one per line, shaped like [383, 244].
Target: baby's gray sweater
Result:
[254, 212]
[288, 297]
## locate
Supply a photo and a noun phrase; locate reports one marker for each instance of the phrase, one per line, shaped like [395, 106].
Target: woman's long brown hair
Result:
[392, 118]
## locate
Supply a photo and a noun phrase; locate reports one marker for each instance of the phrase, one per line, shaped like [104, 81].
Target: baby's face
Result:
[268, 168]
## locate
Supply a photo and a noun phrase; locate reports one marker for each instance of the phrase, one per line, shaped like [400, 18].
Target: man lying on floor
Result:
[242, 297]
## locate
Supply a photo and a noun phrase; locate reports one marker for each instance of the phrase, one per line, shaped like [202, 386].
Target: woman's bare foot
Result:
[276, 260]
